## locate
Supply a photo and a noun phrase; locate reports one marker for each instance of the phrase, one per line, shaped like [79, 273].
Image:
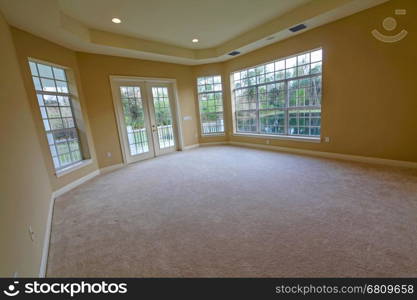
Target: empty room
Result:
[209, 139]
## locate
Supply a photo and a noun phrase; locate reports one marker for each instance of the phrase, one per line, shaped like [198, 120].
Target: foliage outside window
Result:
[282, 97]
[54, 99]
[134, 116]
[210, 99]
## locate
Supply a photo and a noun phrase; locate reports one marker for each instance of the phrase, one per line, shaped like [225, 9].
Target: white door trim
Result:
[114, 79]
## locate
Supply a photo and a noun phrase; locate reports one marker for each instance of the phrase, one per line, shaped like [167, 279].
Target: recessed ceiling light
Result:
[116, 20]
[195, 40]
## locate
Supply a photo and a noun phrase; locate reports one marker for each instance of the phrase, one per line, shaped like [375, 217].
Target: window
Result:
[282, 97]
[54, 98]
[210, 99]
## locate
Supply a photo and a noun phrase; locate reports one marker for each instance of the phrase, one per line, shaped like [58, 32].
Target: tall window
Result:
[55, 105]
[210, 99]
[282, 97]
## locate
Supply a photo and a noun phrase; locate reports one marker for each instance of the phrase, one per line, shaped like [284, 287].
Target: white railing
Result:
[165, 136]
[213, 127]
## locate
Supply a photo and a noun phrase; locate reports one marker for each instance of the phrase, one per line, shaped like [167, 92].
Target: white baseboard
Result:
[332, 155]
[47, 238]
[190, 147]
[76, 183]
[214, 143]
[363, 159]
[111, 168]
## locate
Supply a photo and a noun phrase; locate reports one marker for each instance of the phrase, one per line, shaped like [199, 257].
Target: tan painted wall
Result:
[25, 191]
[95, 71]
[369, 88]
[28, 45]
[353, 118]
[369, 109]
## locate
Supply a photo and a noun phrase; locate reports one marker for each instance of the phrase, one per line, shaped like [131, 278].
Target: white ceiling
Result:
[162, 30]
[177, 22]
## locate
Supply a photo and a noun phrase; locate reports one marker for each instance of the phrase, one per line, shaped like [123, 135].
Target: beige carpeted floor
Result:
[236, 212]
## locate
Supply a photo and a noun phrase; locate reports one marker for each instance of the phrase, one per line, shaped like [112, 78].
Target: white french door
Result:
[162, 118]
[146, 121]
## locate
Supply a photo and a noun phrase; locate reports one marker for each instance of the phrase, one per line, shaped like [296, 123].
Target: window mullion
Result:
[258, 126]
[39, 78]
[53, 93]
[76, 127]
[287, 104]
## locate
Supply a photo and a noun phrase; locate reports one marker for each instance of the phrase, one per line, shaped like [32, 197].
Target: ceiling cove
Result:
[164, 30]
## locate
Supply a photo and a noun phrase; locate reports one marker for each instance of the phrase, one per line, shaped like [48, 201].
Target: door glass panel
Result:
[134, 116]
[163, 117]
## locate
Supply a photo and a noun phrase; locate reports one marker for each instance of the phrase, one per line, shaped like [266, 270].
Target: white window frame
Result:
[75, 163]
[285, 109]
[201, 93]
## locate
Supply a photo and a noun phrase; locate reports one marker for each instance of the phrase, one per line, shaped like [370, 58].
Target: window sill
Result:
[74, 167]
[213, 134]
[281, 137]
